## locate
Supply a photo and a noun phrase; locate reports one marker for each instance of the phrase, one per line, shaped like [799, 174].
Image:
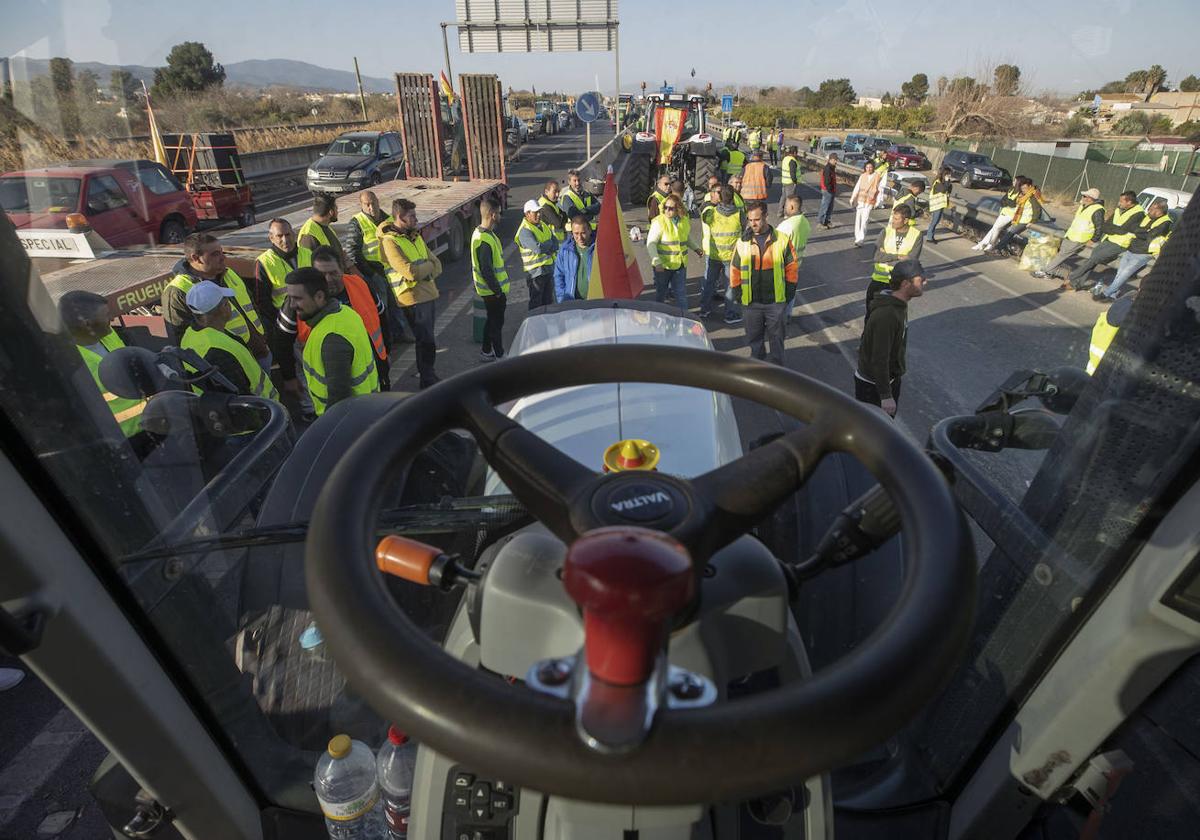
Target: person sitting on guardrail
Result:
[1087, 226]
[939, 200]
[1008, 206]
[1119, 233]
[1153, 233]
[862, 199]
[1027, 211]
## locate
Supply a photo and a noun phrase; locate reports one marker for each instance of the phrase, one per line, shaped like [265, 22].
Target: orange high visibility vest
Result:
[362, 302]
[754, 181]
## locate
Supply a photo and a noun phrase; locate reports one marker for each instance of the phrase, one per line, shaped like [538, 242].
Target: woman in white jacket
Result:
[862, 199]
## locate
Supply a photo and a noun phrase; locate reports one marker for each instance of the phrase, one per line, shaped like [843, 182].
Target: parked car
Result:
[906, 157]
[518, 131]
[126, 202]
[854, 142]
[1177, 200]
[828, 145]
[972, 169]
[871, 145]
[356, 160]
[854, 158]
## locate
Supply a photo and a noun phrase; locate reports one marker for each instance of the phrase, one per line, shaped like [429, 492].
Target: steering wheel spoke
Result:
[736, 496]
[544, 478]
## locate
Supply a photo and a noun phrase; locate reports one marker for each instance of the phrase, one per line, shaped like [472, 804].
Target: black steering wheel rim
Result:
[509, 732]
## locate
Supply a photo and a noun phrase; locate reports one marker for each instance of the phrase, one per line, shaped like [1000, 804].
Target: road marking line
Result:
[32, 767]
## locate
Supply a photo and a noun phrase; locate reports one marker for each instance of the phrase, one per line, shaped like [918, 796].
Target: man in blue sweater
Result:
[573, 265]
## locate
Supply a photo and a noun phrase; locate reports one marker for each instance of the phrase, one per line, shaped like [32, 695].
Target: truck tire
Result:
[246, 217]
[456, 244]
[172, 232]
[706, 168]
[640, 178]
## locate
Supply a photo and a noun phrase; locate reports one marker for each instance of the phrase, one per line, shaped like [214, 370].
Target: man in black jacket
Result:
[881, 352]
[1119, 233]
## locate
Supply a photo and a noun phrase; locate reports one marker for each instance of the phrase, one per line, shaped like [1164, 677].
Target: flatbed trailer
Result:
[133, 280]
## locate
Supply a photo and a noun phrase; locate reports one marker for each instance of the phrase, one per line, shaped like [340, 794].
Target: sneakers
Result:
[733, 317]
[978, 246]
[1041, 275]
[487, 356]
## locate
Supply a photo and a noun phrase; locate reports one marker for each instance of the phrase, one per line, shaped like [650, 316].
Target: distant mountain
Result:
[255, 73]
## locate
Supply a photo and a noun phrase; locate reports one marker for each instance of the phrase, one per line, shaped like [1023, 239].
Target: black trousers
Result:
[868, 393]
[541, 289]
[493, 327]
[420, 317]
[765, 322]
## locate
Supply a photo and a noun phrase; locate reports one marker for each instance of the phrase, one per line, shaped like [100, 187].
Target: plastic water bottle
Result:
[346, 788]
[396, 762]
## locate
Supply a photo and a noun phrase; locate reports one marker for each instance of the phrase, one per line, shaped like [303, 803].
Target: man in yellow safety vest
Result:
[364, 236]
[764, 271]
[1105, 330]
[212, 342]
[898, 241]
[491, 279]
[412, 271]
[575, 199]
[654, 203]
[272, 267]
[538, 246]
[1119, 233]
[722, 222]
[732, 159]
[550, 212]
[1087, 226]
[86, 317]
[1154, 232]
[338, 360]
[317, 230]
[939, 200]
[790, 175]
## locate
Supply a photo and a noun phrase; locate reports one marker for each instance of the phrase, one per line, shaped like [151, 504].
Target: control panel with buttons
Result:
[477, 808]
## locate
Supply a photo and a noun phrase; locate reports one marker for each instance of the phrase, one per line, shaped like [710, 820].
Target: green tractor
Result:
[692, 156]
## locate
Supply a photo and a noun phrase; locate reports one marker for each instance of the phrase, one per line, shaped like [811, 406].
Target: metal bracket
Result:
[616, 718]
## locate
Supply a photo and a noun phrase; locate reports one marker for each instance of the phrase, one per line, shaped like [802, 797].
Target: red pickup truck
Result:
[127, 202]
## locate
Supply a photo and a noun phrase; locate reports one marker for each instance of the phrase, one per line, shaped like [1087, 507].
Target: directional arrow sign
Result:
[587, 106]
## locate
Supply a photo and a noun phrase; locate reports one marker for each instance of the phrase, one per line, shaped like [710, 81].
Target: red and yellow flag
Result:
[669, 126]
[615, 272]
[447, 88]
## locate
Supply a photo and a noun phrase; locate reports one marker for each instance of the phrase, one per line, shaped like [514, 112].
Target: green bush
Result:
[1134, 123]
[909, 120]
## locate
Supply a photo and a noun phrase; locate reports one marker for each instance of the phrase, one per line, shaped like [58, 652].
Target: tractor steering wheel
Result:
[730, 750]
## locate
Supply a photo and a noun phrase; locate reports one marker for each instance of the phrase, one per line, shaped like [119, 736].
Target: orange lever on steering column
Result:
[407, 559]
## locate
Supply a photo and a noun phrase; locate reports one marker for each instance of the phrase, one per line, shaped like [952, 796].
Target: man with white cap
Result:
[1087, 226]
[538, 246]
[209, 338]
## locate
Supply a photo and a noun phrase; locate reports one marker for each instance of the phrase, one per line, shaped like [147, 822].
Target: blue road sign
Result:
[666, 91]
[587, 106]
[727, 103]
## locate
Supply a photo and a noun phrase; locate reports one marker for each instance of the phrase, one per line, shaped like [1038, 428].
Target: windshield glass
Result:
[168, 389]
[35, 194]
[354, 146]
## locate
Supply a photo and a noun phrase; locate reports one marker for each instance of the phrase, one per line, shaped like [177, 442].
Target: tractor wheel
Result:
[640, 178]
[706, 168]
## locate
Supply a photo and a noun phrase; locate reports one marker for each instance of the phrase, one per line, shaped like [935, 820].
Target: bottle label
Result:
[397, 819]
[352, 810]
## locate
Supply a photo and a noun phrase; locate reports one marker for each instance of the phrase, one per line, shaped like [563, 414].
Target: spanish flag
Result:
[615, 272]
[447, 88]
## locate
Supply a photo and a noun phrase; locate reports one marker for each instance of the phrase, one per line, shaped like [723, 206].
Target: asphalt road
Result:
[979, 320]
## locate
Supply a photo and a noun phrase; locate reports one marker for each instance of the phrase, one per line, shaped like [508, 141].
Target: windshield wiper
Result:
[446, 516]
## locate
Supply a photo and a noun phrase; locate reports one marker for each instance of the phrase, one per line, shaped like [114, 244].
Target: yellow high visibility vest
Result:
[1103, 334]
[744, 254]
[907, 198]
[204, 339]
[277, 269]
[533, 260]
[414, 250]
[659, 196]
[1011, 210]
[938, 200]
[720, 233]
[560, 233]
[481, 287]
[673, 239]
[370, 234]
[364, 378]
[754, 139]
[1120, 217]
[786, 177]
[733, 166]
[796, 229]
[245, 316]
[313, 228]
[127, 412]
[1156, 242]
[580, 203]
[883, 271]
[1083, 226]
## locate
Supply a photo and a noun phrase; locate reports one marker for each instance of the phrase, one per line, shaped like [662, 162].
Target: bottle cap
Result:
[339, 746]
[396, 736]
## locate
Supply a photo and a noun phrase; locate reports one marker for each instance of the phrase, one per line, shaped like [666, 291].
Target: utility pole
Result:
[362, 100]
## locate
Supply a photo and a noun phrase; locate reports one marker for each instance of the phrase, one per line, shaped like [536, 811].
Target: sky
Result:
[1059, 46]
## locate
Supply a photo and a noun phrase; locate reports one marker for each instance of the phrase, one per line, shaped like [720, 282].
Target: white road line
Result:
[29, 769]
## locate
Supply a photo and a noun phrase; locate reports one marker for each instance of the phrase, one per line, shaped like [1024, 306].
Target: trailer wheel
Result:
[456, 244]
[640, 178]
[706, 168]
[247, 217]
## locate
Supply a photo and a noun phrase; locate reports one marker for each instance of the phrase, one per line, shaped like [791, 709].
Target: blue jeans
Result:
[1129, 265]
[935, 218]
[826, 211]
[714, 272]
[676, 280]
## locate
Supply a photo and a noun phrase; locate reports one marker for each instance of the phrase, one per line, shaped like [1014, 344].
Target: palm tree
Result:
[1156, 78]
